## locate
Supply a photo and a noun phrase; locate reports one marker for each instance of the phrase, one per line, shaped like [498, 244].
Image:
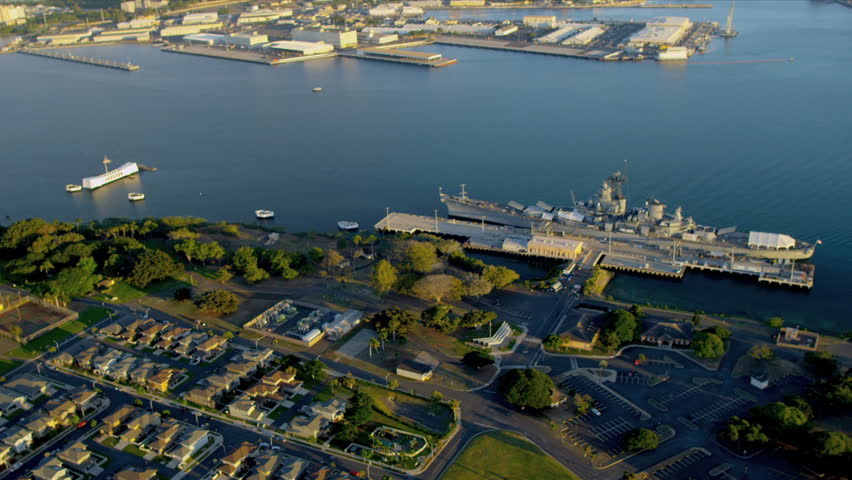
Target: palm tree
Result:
[603, 365]
[374, 344]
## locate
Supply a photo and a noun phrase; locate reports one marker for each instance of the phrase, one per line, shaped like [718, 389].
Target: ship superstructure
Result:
[608, 215]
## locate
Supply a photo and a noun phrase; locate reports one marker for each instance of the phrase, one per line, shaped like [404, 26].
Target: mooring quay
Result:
[129, 67]
[610, 255]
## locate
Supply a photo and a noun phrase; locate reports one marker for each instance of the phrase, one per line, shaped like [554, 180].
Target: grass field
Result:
[124, 292]
[505, 456]
[89, 317]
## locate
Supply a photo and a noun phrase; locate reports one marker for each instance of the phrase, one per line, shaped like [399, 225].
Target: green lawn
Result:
[505, 456]
[124, 292]
[133, 449]
[7, 365]
[89, 317]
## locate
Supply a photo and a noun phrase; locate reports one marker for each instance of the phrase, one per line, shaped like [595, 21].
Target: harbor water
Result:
[754, 133]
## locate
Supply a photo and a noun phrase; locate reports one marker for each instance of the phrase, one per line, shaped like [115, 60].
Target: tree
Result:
[641, 439]
[316, 254]
[832, 444]
[720, 332]
[696, 319]
[332, 260]
[527, 388]
[441, 318]
[16, 332]
[183, 293]
[244, 259]
[437, 287]
[762, 352]
[834, 395]
[223, 275]
[421, 256]
[621, 328]
[311, 370]
[741, 433]
[477, 359]
[393, 384]
[603, 364]
[500, 277]
[800, 403]
[218, 302]
[255, 275]
[822, 364]
[167, 413]
[552, 342]
[477, 285]
[75, 281]
[778, 418]
[775, 322]
[437, 396]
[189, 248]
[360, 409]
[583, 403]
[152, 266]
[642, 358]
[708, 345]
[374, 345]
[346, 432]
[395, 320]
[477, 318]
[384, 277]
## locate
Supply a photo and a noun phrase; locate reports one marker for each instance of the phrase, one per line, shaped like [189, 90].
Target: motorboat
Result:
[347, 226]
[73, 188]
[135, 196]
[264, 214]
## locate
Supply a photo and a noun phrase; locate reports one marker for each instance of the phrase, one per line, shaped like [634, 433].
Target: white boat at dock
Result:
[264, 214]
[347, 226]
[135, 197]
[73, 188]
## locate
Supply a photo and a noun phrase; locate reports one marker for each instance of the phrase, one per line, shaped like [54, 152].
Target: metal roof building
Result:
[304, 48]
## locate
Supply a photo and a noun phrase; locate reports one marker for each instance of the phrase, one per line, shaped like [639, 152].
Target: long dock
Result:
[128, 67]
[527, 47]
[643, 259]
[242, 55]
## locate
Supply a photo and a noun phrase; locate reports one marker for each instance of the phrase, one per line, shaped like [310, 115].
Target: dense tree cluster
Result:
[527, 388]
[477, 359]
[218, 302]
[711, 342]
[641, 439]
[743, 434]
[441, 318]
[477, 318]
[394, 320]
[622, 327]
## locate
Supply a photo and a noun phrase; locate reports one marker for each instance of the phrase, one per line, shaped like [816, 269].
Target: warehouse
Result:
[661, 31]
[246, 39]
[263, 16]
[205, 38]
[540, 21]
[302, 48]
[195, 18]
[554, 247]
[338, 38]
[180, 30]
[585, 37]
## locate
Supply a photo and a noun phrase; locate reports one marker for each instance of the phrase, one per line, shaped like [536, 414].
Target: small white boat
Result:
[264, 214]
[135, 197]
[317, 90]
[347, 226]
[73, 188]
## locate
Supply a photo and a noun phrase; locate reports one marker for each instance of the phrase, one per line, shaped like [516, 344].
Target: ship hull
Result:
[502, 217]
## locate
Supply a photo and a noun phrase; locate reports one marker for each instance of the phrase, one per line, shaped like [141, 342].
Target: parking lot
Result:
[631, 378]
[678, 469]
[719, 410]
[599, 393]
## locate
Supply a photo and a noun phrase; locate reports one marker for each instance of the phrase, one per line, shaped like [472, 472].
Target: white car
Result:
[595, 412]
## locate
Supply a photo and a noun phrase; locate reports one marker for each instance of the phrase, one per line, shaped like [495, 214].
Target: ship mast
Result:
[729, 27]
[107, 161]
[463, 193]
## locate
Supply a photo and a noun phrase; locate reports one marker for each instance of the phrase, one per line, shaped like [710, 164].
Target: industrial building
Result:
[302, 48]
[63, 38]
[12, 14]
[128, 34]
[540, 21]
[585, 37]
[554, 247]
[247, 39]
[205, 38]
[338, 38]
[467, 3]
[383, 11]
[129, 6]
[559, 34]
[195, 18]
[141, 22]
[370, 36]
[403, 54]
[506, 30]
[263, 16]
[661, 31]
[181, 30]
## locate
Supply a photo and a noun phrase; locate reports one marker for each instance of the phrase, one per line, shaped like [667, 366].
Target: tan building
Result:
[554, 247]
[338, 38]
[12, 14]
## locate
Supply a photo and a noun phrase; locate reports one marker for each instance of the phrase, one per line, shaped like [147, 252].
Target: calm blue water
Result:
[764, 146]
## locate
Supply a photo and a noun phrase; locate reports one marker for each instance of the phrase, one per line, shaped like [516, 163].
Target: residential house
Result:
[165, 437]
[227, 381]
[243, 369]
[246, 409]
[113, 329]
[132, 331]
[325, 473]
[84, 399]
[668, 334]
[191, 442]
[236, 461]
[307, 427]
[51, 469]
[282, 380]
[207, 395]
[86, 358]
[120, 370]
[263, 391]
[6, 455]
[152, 332]
[161, 380]
[332, 410]
[18, 437]
[102, 364]
[265, 466]
[262, 357]
[211, 347]
[174, 333]
[130, 474]
[113, 421]
[143, 372]
[140, 426]
[11, 400]
[60, 409]
[186, 345]
[292, 468]
[40, 424]
[64, 359]
[77, 456]
[30, 385]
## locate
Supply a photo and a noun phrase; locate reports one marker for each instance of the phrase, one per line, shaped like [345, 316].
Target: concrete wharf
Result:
[128, 67]
[527, 47]
[242, 55]
[643, 259]
[408, 61]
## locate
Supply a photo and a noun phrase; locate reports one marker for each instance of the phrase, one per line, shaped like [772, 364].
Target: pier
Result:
[408, 57]
[646, 259]
[242, 55]
[128, 67]
[527, 47]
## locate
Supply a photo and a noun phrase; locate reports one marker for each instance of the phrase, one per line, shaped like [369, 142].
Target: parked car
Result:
[595, 412]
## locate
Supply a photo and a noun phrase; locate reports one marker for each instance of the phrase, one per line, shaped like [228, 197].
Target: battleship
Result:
[608, 217]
